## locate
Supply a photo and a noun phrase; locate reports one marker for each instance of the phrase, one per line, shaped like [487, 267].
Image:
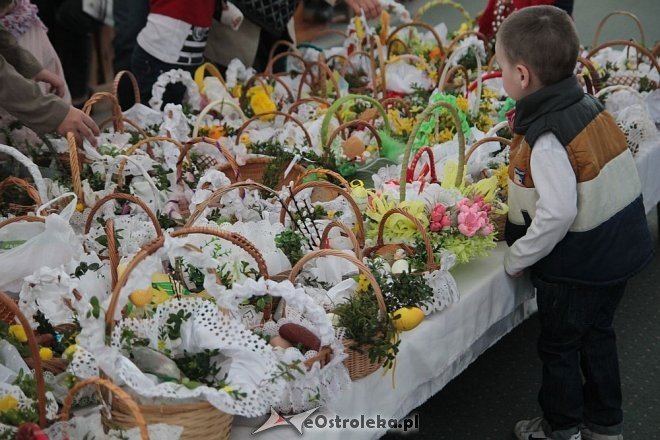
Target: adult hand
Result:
[371, 7]
[57, 85]
[81, 125]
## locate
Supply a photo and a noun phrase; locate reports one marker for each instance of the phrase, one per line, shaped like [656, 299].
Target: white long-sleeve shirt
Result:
[556, 208]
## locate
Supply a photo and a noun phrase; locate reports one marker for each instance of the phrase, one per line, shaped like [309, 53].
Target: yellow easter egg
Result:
[80, 206]
[8, 402]
[141, 298]
[45, 353]
[407, 318]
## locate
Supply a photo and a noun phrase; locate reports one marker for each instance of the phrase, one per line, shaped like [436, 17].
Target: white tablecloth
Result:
[431, 355]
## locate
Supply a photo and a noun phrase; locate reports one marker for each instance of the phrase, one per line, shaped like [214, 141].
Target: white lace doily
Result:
[91, 427]
[247, 361]
[317, 386]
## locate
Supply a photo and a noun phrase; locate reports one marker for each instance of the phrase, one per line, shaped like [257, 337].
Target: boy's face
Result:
[515, 77]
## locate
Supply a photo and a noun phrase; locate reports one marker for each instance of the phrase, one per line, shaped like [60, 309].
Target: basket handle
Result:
[114, 389]
[9, 304]
[15, 181]
[322, 75]
[421, 24]
[185, 152]
[449, 75]
[483, 141]
[632, 16]
[286, 43]
[125, 120]
[592, 81]
[32, 168]
[286, 116]
[113, 253]
[461, 145]
[22, 218]
[435, 3]
[219, 102]
[130, 198]
[201, 71]
[637, 46]
[116, 109]
[417, 157]
[337, 105]
[217, 195]
[317, 99]
[463, 35]
[232, 237]
[133, 148]
[372, 62]
[393, 102]
[346, 230]
[134, 83]
[620, 87]
[323, 172]
[430, 258]
[295, 54]
[322, 184]
[75, 167]
[351, 124]
[346, 256]
[261, 76]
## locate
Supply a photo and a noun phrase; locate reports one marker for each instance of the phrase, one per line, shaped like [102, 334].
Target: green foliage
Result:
[368, 328]
[402, 290]
[290, 242]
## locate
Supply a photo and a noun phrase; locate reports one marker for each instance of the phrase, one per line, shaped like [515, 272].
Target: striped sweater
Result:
[609, 240]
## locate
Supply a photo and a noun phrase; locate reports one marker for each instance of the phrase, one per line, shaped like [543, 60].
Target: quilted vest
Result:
[609, 241]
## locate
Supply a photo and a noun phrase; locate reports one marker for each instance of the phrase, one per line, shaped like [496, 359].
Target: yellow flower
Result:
[487, 93]
[400, 125]
[359, 29]
[159, 296]
[332, 213]
[45, 353]
[398, 227]
[7, 403]
[216, 132]
[161, 345]
[445, 135]
[363, 283]
[502, 175]
[261, 103]
[484, 123]
[18, 332]
[80, 206]
[237, 91]
[244, 139]
[462, 103]
[70, 351]
[227, 389]
[465, 27]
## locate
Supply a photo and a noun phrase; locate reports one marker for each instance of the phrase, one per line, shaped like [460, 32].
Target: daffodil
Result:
[445, 135]
[18, 332]
[486, 188]
[502, 175]
[228, 389]
[7, 403]
[462, 103]
[398, 227]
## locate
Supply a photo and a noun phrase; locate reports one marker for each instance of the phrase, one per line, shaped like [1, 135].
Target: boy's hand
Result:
[81, 125]
[57, 85]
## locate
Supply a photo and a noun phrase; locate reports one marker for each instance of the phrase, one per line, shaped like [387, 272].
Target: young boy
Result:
[576, 221]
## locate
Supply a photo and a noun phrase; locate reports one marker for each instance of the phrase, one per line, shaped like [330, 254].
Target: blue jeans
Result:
[130, 16]
[577, 339]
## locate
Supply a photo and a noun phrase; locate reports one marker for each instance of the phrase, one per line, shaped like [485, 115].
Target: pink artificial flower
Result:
[440, 219]
[469, 221]
[487, 229]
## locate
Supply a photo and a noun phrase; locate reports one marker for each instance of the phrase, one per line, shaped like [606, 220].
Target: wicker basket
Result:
[499, 220]
[199, 420]
[255, 166]
[220, 104]
[358, 363]
[348, 232]
[629, 80]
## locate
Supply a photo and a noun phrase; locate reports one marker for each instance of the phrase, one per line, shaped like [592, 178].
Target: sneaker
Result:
[533, 430]
[588, 434]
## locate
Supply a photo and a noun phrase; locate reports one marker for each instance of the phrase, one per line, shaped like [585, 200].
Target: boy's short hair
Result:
[544, 38]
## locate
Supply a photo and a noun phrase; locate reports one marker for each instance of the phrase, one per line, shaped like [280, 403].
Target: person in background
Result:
[497, 10]
[253, 41]
[21, 96]
[574, 224]
[130, 16]
[20, 18]
[174, 38]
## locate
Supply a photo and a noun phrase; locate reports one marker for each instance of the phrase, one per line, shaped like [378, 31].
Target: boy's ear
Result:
[524, 75]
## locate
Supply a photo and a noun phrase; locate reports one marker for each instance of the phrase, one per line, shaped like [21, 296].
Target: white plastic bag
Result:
[49, 244]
